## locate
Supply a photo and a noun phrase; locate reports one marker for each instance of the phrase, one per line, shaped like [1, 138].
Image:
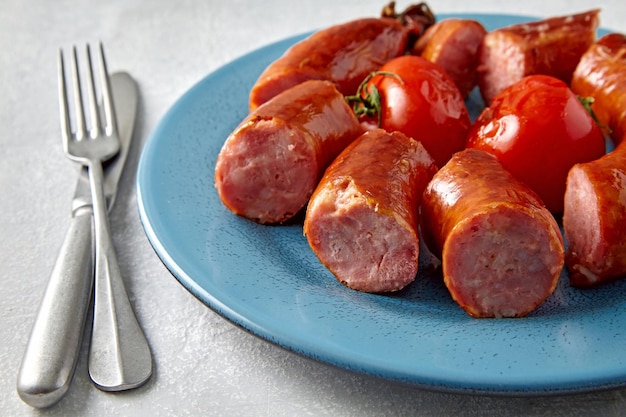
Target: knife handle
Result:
[52, 351]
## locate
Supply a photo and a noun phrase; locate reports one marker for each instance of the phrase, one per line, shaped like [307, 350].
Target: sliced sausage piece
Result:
[550, 46]
[501, 250]
[601, 74]
[362, 220]
[270, 164]
[594, 218]
[344, 54]
[453, 44]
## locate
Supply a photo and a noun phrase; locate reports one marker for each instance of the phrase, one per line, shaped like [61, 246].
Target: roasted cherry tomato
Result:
[539, 129]
[416, 97]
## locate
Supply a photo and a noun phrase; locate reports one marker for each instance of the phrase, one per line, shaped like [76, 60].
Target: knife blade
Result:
[53, 348]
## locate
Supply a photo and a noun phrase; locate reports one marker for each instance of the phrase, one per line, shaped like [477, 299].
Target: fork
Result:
[119, 355]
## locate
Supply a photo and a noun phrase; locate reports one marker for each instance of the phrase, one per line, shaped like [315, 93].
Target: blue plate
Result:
[266, 279]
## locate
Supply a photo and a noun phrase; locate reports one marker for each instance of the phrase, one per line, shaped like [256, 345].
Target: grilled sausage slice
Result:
[595, 197]
[453, 44]
[550, 47]
[594, 219]
[362, 220]
[270, 164]
[501, 250]
[344, 54]
[601, 74]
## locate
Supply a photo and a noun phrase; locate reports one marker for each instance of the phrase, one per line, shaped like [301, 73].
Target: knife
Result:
[52, 351]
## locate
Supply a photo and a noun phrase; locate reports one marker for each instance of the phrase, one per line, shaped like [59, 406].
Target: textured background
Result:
[204, 364]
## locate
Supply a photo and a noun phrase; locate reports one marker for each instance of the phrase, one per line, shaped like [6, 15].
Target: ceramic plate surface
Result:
[267, 280]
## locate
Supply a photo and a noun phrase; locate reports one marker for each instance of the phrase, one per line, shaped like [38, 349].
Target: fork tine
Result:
[78, 98]
[66, 130]
[93, 104]
[109, 108]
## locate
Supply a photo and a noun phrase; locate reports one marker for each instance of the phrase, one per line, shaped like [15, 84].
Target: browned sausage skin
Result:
[601, 74]
[453, 44]
[344, 54]
[501, 249]
[550, 46]
[270, 164]
[594, 218]
[362, 220]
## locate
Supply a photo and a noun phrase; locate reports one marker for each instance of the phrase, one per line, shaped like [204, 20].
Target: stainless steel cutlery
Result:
[119, 356]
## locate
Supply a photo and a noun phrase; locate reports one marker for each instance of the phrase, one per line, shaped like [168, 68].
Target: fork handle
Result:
[52, 351]
[119, 356]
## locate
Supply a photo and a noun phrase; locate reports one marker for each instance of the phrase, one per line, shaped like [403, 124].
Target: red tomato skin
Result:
[538, 129]
[423, 103]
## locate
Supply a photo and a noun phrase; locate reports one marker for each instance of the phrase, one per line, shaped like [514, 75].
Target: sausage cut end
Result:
[265, 173]
[365, 249]
[503, 262]
[587, 257]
